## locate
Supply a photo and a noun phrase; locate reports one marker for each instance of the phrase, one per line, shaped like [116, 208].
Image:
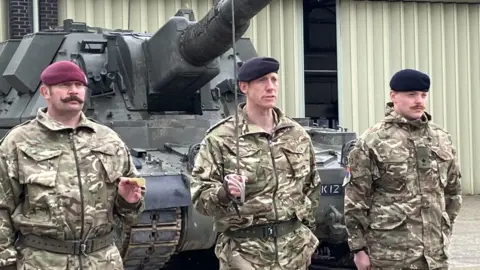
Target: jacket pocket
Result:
[387, 238]
[111, 158]
[394, 163]
[254, 164]
[443, 158]
[298, 156]
[38, 170]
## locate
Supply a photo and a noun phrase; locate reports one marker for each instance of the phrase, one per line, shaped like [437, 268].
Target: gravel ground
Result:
[465, 245]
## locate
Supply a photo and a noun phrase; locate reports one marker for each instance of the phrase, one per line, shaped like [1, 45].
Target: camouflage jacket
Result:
[282, 179]
[42, 162]
[404, 192]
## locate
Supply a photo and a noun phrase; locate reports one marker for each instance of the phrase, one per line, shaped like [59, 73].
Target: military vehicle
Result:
[161, 92]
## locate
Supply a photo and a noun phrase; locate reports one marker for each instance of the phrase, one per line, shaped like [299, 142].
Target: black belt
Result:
[266, 230]
[71, 247]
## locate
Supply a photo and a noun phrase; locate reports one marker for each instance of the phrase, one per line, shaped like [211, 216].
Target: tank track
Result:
[151, 242]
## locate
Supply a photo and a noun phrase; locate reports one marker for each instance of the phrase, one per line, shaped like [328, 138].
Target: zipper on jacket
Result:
[413, 142]
[72, 144]
[274, 194]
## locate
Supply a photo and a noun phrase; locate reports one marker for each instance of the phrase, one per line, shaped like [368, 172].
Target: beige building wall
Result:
[277, 31]
[376, 39]
[3, 20]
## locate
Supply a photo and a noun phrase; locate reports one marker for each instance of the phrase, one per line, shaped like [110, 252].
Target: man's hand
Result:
[362, 261]
[236, 185]
[129, 190]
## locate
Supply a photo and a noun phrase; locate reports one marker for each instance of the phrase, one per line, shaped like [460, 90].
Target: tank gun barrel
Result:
[183, 55]
[212, 35]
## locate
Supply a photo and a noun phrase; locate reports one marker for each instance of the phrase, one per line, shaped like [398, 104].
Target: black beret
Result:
[61, 72]
[410, 80]
[256, 68]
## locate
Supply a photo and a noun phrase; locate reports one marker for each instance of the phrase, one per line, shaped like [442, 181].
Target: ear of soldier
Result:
[277, 175]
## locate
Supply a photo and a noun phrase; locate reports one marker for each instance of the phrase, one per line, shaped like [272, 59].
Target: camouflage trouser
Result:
[411, 268]
[239, 263]
[441, 268]
[408, 268]
[105, 259]
[420, 264]
[293, 251]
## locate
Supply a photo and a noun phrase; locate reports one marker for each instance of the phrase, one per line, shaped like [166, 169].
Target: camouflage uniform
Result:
[282, 184]
[403, 194]
[40, 191]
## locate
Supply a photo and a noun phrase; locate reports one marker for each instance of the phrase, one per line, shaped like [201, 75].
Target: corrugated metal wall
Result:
[277, 31]
[376, 39]
[3, 20]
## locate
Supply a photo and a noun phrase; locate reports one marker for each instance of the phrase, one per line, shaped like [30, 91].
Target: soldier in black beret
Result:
[257, 67]
[403, 190]
[409, 92]
[410, 80]
[291, 180]
[258, 80]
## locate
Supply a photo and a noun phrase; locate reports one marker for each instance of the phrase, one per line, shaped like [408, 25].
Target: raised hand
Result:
[129, 190]
[236, 185]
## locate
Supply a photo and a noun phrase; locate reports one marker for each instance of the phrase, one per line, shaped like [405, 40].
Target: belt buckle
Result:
[81, 248]
[270, 230]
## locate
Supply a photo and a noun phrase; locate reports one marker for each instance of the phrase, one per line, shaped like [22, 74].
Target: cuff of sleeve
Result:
[310, 225]
[452, 218]
[357, 244]
[122, 203]
[222, 196]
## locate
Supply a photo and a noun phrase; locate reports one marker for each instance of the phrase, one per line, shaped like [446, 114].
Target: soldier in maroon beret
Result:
[63, 86]
[69, 186]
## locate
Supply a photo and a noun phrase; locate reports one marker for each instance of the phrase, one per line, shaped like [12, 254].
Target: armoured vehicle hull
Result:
[161, 92]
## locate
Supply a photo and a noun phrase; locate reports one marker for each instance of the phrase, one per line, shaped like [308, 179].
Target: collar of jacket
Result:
[45, 120]
[281, 121]
[391, 116]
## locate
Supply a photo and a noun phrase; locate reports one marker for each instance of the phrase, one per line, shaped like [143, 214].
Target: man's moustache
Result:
[72, 98]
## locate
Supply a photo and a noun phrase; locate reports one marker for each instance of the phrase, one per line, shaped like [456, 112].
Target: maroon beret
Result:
[63, 71]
